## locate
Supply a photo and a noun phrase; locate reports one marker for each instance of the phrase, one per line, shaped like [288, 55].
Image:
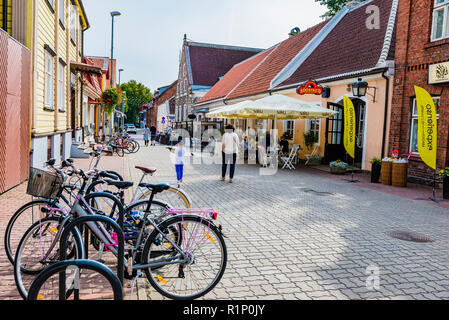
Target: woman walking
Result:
[230, 145]
[146, 135]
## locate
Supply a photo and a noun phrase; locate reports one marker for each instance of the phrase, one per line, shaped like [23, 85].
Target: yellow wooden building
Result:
[53, 31]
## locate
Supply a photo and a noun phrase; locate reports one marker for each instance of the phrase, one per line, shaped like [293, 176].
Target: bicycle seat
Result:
[123, 185]
[147, 170]
[156, 188]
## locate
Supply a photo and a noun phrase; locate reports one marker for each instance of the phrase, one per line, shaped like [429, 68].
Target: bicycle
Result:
[19, 222]
[183, 242]
[31, 258]
[174, 196]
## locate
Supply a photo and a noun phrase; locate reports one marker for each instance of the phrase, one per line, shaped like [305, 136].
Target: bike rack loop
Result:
[121, 215]
[83, 220]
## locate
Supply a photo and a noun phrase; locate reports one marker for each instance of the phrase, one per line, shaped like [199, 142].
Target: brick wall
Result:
[414, 53]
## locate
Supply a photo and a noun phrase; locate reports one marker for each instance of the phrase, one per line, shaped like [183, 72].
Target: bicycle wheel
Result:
[38, 249]
[120, 151]
[136, 145]
[19, 223]
[80, 277]
[202, 261]
[176, 198]
[128, 147]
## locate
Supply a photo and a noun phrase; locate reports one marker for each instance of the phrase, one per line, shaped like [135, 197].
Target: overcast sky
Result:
[148, 35]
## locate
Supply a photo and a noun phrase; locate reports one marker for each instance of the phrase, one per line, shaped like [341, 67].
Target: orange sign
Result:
[310, 87]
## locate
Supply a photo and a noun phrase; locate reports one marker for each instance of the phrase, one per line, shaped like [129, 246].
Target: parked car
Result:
[131, 129]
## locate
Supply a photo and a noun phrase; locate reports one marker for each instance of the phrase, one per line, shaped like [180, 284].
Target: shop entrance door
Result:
[334, 147]
[335, 129]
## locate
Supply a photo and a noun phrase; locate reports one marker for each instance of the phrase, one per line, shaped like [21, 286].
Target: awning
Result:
[84, 67]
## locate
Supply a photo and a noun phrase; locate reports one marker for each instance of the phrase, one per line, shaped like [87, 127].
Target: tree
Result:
[136, 95]
[334, 6]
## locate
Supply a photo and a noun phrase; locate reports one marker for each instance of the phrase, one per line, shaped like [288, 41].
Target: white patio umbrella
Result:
[274, 107]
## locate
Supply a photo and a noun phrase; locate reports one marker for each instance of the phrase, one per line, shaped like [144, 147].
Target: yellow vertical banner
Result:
[350, 127]
[427, 127]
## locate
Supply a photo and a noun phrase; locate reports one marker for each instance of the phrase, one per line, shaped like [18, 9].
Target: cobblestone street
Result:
[286, 241]
[297, 235]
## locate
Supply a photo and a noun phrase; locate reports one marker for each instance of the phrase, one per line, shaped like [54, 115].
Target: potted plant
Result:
[310, 139]
[444, 174]
[110, 98]
[376, 168]
[338, 167]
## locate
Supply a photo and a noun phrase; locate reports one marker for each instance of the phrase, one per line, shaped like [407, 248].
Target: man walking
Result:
[230, 145]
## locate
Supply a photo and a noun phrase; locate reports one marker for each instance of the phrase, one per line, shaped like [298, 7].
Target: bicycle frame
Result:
[142, 192]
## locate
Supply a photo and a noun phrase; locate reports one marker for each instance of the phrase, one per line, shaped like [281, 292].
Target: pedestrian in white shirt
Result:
[230, 143]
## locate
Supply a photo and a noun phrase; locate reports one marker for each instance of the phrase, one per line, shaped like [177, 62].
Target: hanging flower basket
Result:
[111, 98]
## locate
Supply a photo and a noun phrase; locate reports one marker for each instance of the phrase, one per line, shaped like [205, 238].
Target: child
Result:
[180, 153]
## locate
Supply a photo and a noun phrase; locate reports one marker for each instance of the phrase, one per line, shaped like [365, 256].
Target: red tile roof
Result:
[208, 62]
[259, 81]
[349, 47]
[169, 93]
[234, 77]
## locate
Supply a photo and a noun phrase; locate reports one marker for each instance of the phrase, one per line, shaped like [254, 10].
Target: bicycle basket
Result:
[44, 184]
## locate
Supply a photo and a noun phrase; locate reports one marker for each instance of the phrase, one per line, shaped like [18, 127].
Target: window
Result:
[289, 127]
[414, 125]
[61, 87]
[49, 81]
[73, 20]
[440, 25]
[313, 125]
[62, 11]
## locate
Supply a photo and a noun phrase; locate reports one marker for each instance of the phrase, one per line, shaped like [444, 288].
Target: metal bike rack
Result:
[82, 221]
[60, 268]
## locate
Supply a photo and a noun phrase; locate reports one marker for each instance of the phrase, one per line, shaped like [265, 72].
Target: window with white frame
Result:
[62, 11]
[49, 80]
[440, 24]
[414, 124]
[289, 128]
[61, 87]
[313, 125]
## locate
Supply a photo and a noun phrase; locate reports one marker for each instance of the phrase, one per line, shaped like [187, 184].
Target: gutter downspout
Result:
[387, 99]
[5, 15]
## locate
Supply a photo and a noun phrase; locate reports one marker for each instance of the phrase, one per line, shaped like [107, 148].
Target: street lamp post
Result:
[113, 15]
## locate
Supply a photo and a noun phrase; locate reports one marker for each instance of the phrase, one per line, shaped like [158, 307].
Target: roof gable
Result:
[350, 46]
[206, 63]
[234, 77]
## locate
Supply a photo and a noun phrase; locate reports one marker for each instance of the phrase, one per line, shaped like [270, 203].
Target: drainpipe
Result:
[5, 15]
[387, 100]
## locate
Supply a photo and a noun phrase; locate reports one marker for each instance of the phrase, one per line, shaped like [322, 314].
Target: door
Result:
[335, 149]
[334, 146]
[360, 111]
[73, 113]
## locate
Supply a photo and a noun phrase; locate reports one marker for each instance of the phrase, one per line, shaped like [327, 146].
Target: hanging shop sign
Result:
[310, 87]
[439, 73]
